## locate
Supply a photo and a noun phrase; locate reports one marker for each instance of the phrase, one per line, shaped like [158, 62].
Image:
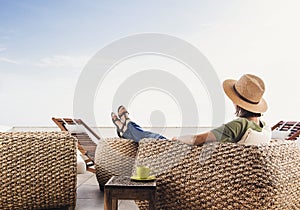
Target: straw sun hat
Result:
[247, 93]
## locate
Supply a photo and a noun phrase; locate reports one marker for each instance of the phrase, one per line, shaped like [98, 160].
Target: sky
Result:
[46, 45]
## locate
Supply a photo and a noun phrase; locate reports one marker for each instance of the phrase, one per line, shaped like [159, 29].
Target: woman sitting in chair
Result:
[246, 95]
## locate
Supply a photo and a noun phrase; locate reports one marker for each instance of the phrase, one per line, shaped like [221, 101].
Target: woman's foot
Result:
[123, 115]
[121, 127]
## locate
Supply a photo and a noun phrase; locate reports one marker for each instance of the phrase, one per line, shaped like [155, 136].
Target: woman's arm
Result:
[197, 139]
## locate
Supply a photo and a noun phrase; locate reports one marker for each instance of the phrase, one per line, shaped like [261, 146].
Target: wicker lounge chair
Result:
[85, 144]
[223, 176]
[38, 170]
[214, 176]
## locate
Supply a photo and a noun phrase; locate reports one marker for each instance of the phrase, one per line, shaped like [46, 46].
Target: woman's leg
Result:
[121, 127]
[131, 130]
[136, 133]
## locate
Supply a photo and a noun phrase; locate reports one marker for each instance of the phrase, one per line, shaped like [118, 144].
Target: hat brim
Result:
[228, 86]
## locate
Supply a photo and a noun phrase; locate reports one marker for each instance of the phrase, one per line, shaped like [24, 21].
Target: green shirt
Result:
[234, 130]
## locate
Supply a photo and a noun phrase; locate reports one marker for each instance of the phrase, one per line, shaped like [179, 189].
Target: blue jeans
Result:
[136, 133]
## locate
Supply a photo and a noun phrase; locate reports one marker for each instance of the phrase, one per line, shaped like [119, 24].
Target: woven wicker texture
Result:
[38, 170]
[222, 176]
[114, 156]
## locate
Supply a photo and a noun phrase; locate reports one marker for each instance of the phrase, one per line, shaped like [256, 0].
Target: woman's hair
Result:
[240, 112]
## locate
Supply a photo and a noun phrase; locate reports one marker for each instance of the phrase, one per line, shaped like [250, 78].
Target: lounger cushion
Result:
[252, 137]
[75, 128]
[280, 134]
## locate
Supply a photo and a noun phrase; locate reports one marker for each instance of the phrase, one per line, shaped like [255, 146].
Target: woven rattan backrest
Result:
[223, 176]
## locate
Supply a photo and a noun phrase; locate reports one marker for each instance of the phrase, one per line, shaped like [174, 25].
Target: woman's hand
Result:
[196, 139]
[187, 139]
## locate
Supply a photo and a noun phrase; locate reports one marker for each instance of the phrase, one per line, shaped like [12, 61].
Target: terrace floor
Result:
[89, 196]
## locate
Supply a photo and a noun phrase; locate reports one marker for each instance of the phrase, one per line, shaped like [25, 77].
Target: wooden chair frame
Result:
[85, 144]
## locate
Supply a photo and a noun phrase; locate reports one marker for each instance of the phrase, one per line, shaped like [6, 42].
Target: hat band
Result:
[242, 97]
